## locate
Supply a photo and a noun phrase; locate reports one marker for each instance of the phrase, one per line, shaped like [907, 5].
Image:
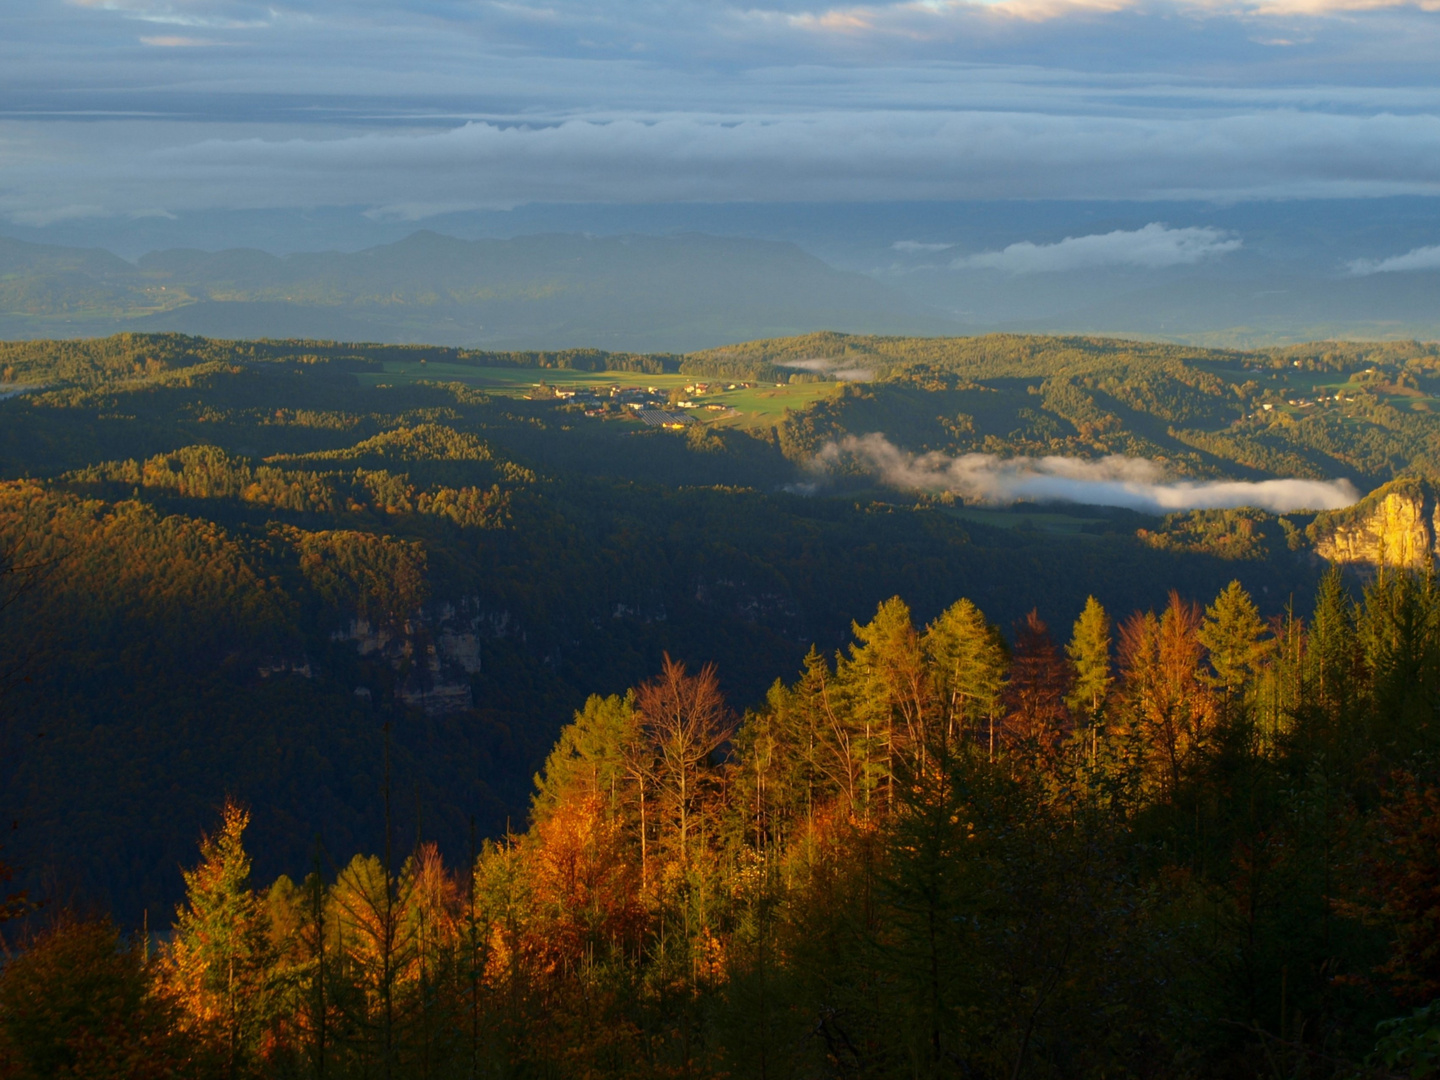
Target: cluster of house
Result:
[650, 404]
[632, 396]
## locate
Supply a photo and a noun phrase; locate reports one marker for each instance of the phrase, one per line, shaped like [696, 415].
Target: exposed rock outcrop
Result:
[1394, 526]
[438, 648]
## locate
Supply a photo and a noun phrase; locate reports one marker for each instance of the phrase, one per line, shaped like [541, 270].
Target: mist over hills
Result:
[554, 291]
[1240, 313]
[688, 276]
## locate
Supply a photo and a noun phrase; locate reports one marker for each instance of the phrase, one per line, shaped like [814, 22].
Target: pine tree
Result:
[1400, 639]
[590, 756]
[379, 954]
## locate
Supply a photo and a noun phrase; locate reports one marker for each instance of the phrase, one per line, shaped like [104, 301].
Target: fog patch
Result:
[830, 369]
[1133, 483]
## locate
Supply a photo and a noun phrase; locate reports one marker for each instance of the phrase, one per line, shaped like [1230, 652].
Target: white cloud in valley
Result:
[1151, 248]
[1134, 483]
[830, 369]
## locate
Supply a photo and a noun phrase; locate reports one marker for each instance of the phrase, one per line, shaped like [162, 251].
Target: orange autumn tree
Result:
[1170, 710]
[586, 828]
[221, 963]
[685, 720]
[1037, 718]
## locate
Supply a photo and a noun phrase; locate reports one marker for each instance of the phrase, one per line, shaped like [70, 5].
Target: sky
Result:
[409, 109]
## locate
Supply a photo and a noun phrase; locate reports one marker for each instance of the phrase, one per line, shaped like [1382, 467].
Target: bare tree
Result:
[686, 720]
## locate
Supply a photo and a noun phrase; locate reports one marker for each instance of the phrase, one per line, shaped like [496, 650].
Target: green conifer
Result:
[1234, 633]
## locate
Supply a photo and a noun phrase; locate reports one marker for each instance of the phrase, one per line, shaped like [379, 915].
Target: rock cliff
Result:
[438, 648]
[1395, 525]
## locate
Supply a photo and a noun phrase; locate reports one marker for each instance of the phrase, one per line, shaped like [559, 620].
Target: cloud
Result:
[1134, 483]
[1153, 247]
[830, 157]
[1421, 258]
[916, 247]
[212, 14]
[939, 18]
[178, 42]
[414, 106]
[832, 369]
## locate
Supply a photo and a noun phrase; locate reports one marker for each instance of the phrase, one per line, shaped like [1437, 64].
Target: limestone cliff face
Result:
[1396, 526]
[438, 649]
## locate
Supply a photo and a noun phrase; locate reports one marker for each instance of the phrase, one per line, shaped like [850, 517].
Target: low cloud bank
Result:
[1151, 248]
[1421, 258]
[1134, 483]
[56, 173]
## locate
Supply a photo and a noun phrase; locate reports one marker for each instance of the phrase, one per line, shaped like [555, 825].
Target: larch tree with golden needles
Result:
[889, 690]
[967, 660]
[1182, 720]
[686, 721]
[221, 961]
[1089, 656]
[1036, 717]
[379, 951]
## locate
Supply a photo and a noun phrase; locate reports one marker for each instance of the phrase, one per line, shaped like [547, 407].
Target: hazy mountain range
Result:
[687, 277]
[627, 292]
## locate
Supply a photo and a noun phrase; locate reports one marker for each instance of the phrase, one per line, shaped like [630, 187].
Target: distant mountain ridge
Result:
[552, 291]
[1283, 309]
[679, 292]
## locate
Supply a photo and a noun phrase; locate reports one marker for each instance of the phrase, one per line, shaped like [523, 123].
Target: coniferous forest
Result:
[415, 731]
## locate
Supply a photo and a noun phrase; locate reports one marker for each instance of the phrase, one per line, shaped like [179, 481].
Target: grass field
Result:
[1321, 387]
[759, 404]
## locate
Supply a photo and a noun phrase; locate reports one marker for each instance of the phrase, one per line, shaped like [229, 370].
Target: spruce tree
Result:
[1333, 644]
[1233, 632]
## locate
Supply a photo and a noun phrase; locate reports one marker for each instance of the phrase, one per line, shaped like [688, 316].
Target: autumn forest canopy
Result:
[387, 711]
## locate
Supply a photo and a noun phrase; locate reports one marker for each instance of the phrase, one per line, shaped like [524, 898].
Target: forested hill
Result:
[249, 565]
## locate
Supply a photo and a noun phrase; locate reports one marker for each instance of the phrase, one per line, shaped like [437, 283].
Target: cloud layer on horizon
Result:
[829, 156]
[412, 107]
[1133, 483]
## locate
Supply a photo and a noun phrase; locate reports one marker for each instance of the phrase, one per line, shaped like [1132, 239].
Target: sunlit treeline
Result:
[1193, 844]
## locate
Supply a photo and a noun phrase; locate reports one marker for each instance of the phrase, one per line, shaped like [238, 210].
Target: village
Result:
[653, 406]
